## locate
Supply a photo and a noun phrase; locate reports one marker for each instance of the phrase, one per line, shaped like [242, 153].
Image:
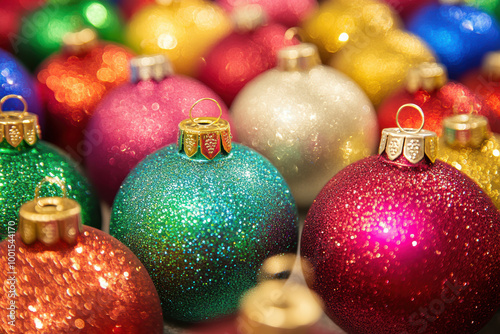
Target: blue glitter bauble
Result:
[460, 35]
[15, 79]
[203, 227]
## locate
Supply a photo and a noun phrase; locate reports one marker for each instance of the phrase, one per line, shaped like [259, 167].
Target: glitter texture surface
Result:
[42, 31]
[459, 35]
[480, 164]
[452, 98]
[404, 249]
[203, 228]
[240, 57]
[23, 168]
[14, 79]
[136, 120]
[309, 124]
[73, 85]
[182, 30]
[380, 65]
[95, 286]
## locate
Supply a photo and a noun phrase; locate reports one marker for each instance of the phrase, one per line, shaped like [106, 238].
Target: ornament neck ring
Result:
[291, 33]
[13, 96]
[48, 203]
[412, 131]
[202, 121]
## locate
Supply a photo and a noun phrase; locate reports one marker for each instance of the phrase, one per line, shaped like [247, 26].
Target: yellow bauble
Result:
[182, 30]
[480, 160]
[380, 66]
[341, 22]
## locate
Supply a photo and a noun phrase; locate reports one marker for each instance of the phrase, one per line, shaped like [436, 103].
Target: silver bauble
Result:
[308, 119]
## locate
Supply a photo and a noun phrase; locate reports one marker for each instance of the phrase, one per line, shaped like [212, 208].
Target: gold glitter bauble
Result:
[183, 30]
[338, 23]
[380, 65]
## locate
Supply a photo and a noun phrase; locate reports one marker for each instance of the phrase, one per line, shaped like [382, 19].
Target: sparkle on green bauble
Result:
[203, 227]
[23, 167]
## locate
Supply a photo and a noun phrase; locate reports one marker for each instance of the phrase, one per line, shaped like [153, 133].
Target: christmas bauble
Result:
[25, 160]
[74, 81]
[42, 31]
[138, 118]
[206, 213]
[15, 79]
[490, 6]
[66, 278]
[459, 35]
[380, 65]
[343, 22]
[11, 14]
[406, 8]
[287, 12]
[428, 87]
[242, 55]
[309, 120]
[468, 146]
[182, 30]
[401, 238]
[130, 7]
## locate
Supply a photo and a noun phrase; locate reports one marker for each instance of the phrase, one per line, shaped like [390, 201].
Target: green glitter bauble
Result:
[41, 33]
[203, 227]
[22, 168]
[490, 6]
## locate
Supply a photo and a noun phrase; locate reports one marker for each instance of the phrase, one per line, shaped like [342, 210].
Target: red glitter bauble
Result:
[71, 86]
[404, 248]
[94, 286]
[240, 57]
[452, 98]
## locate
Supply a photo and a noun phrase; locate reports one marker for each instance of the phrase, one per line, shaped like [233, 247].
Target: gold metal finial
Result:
[414, 106]
[153, 67]
[18, 126]
[428, 76]
[248, 17]
[50, 219]
[465, 130]
[279, 266]
[210, 134]
[80, 41]
[299, 57]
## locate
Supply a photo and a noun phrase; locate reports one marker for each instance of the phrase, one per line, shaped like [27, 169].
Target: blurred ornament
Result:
[25, 160]
[206, 213]
[406, 8]
[485, 82]
[344, 22]
[42, 32]
[289, 13]
[11, 14]
[15, 79]
[468, 145]
[68, 278]
[308, 119]
[380, 65]
[247, 52]
[130, 7]
[405, 238]
[492, 7]
[459, 35]
[138, 118]
[427, 86]
[182, 30]
[74, 81]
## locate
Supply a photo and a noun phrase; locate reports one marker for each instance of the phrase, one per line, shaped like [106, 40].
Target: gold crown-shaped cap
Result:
[50, 219]
[491, 65]
[248, 17]
[208, 134]
[155, 67]
[18, 126]
[427, 76]
[465, 130]
[300, 57]
[80, 41]
[413, 144]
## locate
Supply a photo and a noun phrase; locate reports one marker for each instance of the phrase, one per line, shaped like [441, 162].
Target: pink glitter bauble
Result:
[287, 12]
[135, 120]
[399, 248]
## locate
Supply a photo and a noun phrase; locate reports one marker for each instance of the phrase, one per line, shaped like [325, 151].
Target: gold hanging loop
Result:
[414, 106]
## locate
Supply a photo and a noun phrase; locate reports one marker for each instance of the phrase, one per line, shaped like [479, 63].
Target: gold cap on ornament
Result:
[50, 219]
[300, 57]
[155, 67]
[248, 17]
[208, 134]
[79, 42]
[491, 65]
[465, 130]
[18, 126]
[427, 76]
[277, 267]
[279, 307]
[413, 144]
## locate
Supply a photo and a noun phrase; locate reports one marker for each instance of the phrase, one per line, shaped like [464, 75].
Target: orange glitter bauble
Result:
[96, 285]
[71, 86]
